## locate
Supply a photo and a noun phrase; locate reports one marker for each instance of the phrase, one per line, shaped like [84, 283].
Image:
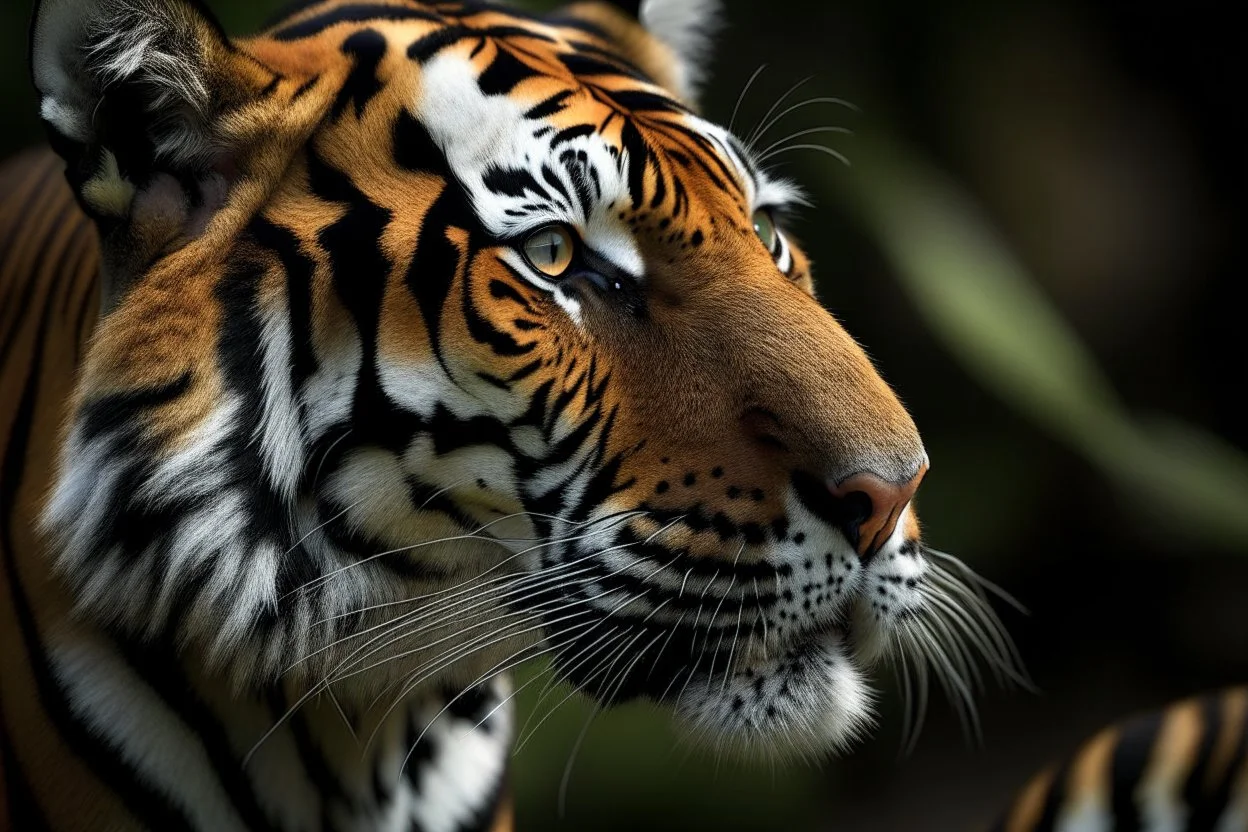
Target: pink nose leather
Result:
[888, 500]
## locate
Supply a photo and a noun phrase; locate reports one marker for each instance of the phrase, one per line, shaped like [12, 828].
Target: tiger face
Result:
[438, 337]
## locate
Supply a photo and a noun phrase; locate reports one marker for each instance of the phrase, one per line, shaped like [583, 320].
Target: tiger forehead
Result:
[526, 95]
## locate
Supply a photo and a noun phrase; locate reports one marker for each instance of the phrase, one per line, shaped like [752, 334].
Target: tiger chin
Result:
[433, 339]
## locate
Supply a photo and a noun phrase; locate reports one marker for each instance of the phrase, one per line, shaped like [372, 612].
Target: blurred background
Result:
[1037, 240]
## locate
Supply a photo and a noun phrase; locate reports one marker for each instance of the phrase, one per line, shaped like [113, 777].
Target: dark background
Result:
[1106, 144]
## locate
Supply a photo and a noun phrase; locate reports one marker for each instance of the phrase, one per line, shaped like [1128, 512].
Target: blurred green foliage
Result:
[974, 294]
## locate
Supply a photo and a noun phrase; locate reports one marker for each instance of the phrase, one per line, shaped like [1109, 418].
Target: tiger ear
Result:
[135, 94]
[685, 29]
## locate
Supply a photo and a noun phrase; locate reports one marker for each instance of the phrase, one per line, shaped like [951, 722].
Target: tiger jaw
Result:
[811, 693]
[808, 699]
[763, 652]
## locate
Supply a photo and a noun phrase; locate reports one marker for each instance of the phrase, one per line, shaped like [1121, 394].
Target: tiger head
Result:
[439, 336]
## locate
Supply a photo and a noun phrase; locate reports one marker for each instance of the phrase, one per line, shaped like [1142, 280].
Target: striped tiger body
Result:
[395, 346]
[105, 731]
[1183, 768]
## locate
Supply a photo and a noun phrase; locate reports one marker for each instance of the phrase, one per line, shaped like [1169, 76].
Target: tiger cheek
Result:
[500, 321]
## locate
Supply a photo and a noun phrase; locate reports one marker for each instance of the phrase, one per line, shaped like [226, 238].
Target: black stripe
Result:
[14, 309]
[150, 804]
[303, 88]
[324, 781]
[629, 7]
[362, 13]
[1054, 799]
[37, 193]
[504, 73]
[548, 107]
[298, 269]
[435, 262]
[433, 43]
[360, 269]
[638, 160]
[1194, 789]
[123, 411]
[1131, 756]
[160, 668]
[415, 150]
[1209, 801]
[366, 49]
[71, 247]
[10, 337]
[513, 182]
[567, 134]
[270, 87]
[451, 433]
[584, 65]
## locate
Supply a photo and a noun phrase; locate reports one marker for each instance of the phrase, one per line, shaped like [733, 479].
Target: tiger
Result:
[348, 366]
[1180, 767]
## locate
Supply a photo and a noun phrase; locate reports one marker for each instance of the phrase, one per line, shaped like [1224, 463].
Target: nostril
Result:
[871, 507]
[856, 510]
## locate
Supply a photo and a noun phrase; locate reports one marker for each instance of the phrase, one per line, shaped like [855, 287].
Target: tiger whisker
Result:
[537, 617]
[311, 692]
[754, 134]
[762, 131]
[320, 526]
[567, 771]
[580, 658]
[501, 667]
[413, 683]
[457, 651]
[672, 630]
[732, 651]
[822, 149]
[736, 108]
[439, 605]
[772, 150]
[530, 584]
[316, 477]
[955, 686]
[970, 578]
[616, 518]
[475, 534]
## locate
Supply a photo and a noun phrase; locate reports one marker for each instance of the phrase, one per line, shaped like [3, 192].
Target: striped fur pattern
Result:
[103, 732]
[1183, 768]
[342, 448]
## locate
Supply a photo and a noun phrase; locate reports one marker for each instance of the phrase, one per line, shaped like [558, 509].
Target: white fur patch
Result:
[687, 26]
[480, 133]
[280, 433]
[468, 764]
[118, 705]
[809, 701]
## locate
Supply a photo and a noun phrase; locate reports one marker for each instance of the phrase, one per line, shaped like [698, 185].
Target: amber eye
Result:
[765, 228]
[549, 249]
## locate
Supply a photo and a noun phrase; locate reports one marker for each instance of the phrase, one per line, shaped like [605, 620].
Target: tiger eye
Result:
[765, 228]
[549, 250]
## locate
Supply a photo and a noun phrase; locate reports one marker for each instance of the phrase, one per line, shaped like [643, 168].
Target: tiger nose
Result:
[875, 507]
